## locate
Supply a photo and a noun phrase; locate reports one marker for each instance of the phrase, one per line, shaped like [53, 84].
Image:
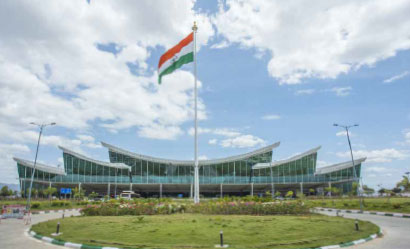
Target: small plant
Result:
[396, 205]
[140, 218]
[35, 204]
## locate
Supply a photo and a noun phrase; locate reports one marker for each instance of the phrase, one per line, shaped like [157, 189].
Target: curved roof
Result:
[338, 166]
[40, 166]
[190, 162]
[112, 165]
[290, 159]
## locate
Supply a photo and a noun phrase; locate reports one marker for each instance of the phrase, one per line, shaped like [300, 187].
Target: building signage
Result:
[13, 211]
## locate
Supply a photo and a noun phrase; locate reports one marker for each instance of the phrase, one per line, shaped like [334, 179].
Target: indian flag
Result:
[180, 54]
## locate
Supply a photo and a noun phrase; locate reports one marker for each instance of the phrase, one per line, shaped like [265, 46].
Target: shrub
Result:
[35, 204]
[396, 205]
[210, 207]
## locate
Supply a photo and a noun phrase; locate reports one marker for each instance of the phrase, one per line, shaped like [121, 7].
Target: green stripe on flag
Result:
[177, 64]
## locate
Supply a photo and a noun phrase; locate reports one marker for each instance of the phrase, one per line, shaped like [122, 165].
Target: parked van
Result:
[128, 195]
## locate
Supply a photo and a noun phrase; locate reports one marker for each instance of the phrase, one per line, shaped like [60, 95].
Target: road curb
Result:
[55, 211]
[84, 246]
[398, 215]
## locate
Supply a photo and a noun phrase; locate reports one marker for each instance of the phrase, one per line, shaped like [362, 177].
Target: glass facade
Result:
[124, 168]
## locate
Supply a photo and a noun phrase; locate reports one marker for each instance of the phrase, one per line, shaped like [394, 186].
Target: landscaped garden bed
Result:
[202, 231]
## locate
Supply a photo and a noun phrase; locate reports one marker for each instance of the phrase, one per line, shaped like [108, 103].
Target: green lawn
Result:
[397, 205]
[44, 204]
[202, 231]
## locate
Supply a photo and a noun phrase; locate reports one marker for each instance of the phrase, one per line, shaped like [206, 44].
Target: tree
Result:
[355, 188]
[367, 190]
[93, 195]
[382, 191]
[277, 194]
[78, 193]
[404, 184]
[396, 190]
[5, 191]
[333, 190]
[49, 192]
[289, 194]
[311, 191]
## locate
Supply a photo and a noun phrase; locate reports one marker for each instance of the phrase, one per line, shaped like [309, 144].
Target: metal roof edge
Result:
[190, 162]
[283, 161]
[103, 163]
[338, 166]
[40, 166]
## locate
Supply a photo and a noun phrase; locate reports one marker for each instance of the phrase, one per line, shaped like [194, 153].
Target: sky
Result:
[268, 71]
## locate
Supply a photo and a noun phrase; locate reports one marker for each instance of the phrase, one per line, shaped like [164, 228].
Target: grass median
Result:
[202, 231]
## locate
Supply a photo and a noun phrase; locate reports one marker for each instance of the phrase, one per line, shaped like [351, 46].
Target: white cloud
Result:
[202, 157]
[213, 141]
[226, 132]
[160, 132]
[243, 141]
[60, 73]
[321, 163]
[316, 39]
[377, 169]
[344, 134]
[305, 92]
[396, 77]
[271, 117]
[222, 44]
[407, 137]
[378, 156]
[232, 137]
[52, 70]
[8, 166]
[341, 91]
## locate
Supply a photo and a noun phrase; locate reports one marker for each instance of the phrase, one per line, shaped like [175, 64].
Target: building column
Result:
[160, 190]
[301, 187]
[221, 195]
[131, 186]
[273, 190]
[251, 188]
[79, 187]
[49, 185]
[108, 190]
[190, 192]
[330, 186]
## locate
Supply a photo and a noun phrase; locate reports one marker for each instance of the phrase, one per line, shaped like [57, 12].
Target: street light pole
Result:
[28, 206]
[347, 127]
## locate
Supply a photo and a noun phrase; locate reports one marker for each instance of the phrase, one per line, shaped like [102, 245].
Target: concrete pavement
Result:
[396, 231]
[13, 232]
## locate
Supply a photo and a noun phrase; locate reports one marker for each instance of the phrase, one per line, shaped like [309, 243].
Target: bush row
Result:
[211, 207]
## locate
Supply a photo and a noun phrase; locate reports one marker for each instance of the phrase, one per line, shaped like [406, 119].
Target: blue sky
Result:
[269, 72]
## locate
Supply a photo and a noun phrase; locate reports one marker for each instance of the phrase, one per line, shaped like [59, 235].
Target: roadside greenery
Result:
[221, 206]
[202, 231]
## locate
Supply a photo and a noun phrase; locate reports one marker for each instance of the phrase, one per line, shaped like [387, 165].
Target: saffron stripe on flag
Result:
[171, 52]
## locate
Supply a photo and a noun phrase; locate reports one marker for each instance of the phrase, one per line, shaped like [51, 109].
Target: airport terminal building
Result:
[246, 174]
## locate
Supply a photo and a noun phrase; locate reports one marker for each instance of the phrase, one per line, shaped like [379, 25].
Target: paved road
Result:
[12, 232]
[396, 231]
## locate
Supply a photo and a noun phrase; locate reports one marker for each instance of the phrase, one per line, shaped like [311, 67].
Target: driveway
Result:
[12, 232]
[396, 230]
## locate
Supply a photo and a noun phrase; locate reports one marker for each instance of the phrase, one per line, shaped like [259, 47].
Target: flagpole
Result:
[196, 171]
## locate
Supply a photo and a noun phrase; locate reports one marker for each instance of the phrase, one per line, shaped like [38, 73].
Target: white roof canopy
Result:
[190, 162]
[338, 166]
[281, 162]
[40, 166]
[107, 164]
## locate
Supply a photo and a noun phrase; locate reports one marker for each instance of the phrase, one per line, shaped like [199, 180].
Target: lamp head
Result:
[356, 125]
[53, 123]
[335, 125]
